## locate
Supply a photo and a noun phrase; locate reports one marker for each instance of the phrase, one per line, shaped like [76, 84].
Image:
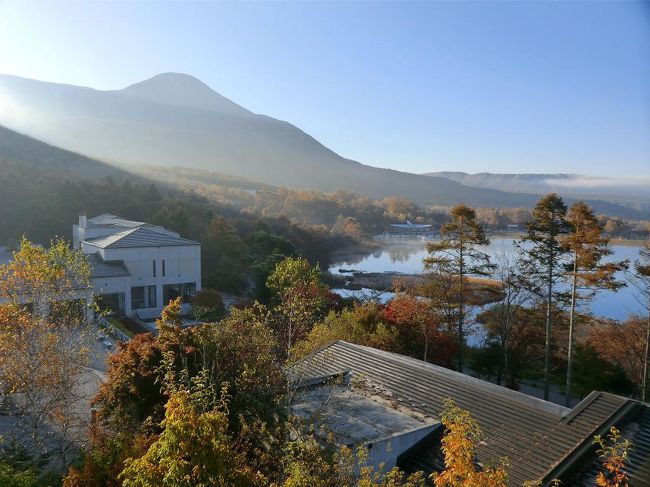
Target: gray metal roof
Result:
[353, 415]
[634, 426]
[139, 237]
[106, 268]
[534, 435]
[108, 219]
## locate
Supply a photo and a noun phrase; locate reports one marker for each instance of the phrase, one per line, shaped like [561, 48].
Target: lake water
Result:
[407, 258]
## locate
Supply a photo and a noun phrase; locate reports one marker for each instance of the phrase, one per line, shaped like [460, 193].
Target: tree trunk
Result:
[549, 319]
[289, 337]
[461, 318]
[505, 344]
[572, 315]
[426, 345]
[646, 369]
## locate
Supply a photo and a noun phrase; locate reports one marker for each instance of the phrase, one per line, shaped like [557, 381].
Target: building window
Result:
[111, 303]
[154, 268]
[143, 297]
[185, 290]
[163, 267]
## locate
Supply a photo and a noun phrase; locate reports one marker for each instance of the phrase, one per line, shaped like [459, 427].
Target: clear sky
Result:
[467, 86]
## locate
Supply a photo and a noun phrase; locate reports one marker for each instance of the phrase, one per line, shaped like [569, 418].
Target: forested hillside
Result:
[45, 189]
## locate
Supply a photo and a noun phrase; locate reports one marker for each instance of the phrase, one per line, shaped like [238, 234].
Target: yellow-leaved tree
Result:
[194, 448]
[45, 339]
[309, 464]
[459, 446]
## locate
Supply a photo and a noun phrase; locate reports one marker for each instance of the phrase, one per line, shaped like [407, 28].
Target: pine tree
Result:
[587, 246]
[456, 256]
[542, 256]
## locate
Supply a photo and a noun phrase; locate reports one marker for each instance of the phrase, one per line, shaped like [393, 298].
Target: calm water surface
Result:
[407, 258]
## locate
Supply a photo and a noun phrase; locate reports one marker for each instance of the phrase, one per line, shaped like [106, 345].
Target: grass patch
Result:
[117, 324]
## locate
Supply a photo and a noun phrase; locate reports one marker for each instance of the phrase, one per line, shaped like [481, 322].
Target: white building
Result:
[137, 268]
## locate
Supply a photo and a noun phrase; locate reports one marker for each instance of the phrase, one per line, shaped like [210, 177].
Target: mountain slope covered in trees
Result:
[175, 120]
[45, 188]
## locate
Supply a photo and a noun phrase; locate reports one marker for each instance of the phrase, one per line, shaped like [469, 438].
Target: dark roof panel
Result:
[106, 268]
[534, 435]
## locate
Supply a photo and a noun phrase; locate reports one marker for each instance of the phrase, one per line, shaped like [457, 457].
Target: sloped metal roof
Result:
[106, 268]
[534, 435]
[108, 219]
[635, 427]
[139, 237]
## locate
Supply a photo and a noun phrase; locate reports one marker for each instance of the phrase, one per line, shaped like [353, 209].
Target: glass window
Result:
[143, 297]
[186, 290]
[154, 268]
[163, 267]
[152, 296]
[137, 297]
[112, 303]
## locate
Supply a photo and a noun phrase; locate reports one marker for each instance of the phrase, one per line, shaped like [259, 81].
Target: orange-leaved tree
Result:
[459, 447]
[613, 452]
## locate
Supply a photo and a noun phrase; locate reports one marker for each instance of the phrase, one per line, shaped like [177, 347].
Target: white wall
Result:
[182, 264]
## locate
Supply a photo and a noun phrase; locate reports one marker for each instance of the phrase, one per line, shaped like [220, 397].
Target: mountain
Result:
[43, 188]
[182, 90]
[19, 153]
[175, 120]
[633, 193]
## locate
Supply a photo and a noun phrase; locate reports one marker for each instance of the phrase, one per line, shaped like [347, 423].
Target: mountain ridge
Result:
[578, 185]
[151, 123]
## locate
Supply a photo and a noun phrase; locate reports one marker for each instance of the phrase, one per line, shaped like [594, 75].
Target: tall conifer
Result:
[587, 273]
[457, 257]
[543, 256]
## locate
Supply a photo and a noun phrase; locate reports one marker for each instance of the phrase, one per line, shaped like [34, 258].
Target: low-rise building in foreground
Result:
[368, 397]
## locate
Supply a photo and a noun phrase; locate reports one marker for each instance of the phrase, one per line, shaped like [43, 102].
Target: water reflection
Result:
[407, 259]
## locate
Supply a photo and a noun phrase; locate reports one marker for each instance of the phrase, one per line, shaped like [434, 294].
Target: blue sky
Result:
[467, 86]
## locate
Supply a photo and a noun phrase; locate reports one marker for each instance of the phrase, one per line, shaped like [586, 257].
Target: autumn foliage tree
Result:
[640, 279]
[309, 463]
[587, 273]
[363, 324]
[300, 296]
[525, 338]
[45, 339]
[623, 344]
[195, 447]
[459, 442]
[239, 351]
[613, 452]
[420, 327]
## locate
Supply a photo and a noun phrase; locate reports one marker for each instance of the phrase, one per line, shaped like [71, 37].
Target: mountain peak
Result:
[179, 89]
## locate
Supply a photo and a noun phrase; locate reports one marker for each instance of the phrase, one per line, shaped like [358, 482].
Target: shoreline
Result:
[480, 290]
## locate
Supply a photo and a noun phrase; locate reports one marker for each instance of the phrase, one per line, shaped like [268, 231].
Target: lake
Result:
[407, 258]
